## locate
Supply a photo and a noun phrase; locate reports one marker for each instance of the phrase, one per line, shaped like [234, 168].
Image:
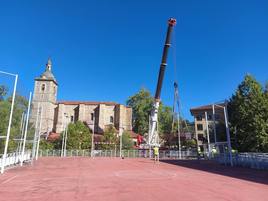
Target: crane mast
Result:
[153, 134]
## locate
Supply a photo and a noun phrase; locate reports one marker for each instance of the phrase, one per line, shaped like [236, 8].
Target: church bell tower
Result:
[45, 98]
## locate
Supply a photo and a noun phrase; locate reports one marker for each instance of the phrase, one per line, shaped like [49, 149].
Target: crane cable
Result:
[176, 94]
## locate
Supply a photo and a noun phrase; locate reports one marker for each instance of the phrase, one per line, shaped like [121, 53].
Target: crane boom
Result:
[171, 24]
[153, 134]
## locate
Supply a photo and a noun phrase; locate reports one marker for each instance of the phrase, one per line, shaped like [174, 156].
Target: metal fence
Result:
[15, 158]
[250, 160]
[168, 154]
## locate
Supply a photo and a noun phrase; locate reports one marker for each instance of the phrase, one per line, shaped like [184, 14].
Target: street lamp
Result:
[121, 131]
[64, 135]
[10, 119]
[92, 137]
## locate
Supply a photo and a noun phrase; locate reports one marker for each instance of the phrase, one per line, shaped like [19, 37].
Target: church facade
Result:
[53, 116]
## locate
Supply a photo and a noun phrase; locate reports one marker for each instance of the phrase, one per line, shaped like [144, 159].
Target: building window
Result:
[200, 137]
[199, 127]
[92, 116]
[209, 117]
[111, 119]
[72, 118]
[43, 87]
[217, 117]
[199, 118]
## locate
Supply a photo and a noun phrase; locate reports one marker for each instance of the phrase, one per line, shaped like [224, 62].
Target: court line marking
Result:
[8, 180]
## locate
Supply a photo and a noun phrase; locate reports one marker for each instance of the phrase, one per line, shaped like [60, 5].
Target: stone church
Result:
[55, 115]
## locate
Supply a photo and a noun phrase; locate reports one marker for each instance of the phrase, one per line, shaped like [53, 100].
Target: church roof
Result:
[48, 75]
[86, 102]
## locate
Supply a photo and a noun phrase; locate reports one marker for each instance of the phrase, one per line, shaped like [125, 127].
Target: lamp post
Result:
[66, 134]
[10, 119]
[39, 133]
[36, 131]
[92, 138]
[26, 128]
[208, 138]
[121, 131]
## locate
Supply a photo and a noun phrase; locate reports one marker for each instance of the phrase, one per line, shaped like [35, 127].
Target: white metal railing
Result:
[15, 158]
[166, 154]
[251, 160]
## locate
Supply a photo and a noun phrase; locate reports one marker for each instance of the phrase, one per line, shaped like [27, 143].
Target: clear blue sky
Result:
[106, 50]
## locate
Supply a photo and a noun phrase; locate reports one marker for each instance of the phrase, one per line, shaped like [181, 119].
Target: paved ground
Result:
[102, 179]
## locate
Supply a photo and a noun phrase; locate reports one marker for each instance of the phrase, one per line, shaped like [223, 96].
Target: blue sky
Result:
[107, 50]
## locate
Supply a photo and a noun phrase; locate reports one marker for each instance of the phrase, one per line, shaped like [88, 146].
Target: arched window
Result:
[111, 119]
[43, 87]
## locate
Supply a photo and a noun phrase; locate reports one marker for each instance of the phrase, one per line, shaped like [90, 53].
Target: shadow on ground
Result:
[258, 176]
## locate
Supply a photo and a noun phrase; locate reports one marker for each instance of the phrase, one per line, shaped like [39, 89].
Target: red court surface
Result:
[85, 179]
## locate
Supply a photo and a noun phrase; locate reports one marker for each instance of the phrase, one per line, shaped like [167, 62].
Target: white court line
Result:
[9, 179]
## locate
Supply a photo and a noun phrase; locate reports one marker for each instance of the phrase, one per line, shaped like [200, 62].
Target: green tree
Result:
[19, 107]
[248, 109]
[44, 145]
[3, 92]
[127, 142]
[165, 119]
[78, 136]
[109, 138]
[141, 104]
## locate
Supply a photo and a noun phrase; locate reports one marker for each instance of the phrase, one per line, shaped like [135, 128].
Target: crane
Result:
[153, 127]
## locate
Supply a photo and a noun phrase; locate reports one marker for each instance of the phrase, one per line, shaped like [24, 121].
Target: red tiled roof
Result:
[86, 102]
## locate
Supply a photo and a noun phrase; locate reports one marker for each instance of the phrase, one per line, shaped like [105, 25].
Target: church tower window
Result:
[43, 87]
[111, 119]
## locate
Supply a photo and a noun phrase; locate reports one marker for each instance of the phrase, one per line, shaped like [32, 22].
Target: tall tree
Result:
[19, 107]
[141, 104]
[109, 138]
[248, 109]
[3, 91]
[78, 136]
[127, 142]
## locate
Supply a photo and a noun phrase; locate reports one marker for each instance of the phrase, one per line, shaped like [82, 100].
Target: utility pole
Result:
[209, 151]
[228, 133]
[22, 130]
[66, 134]
[63, 134]
[26, 129]
[92, 138]
[36, 131]
[120, 138]
[214, 124]
[39, 133]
